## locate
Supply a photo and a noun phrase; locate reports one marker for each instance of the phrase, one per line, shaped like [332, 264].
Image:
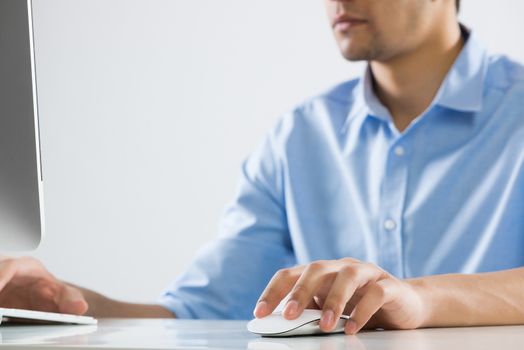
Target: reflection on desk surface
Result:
[185, 334]
[42, 334]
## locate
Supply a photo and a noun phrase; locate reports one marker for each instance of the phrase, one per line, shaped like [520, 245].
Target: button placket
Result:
[393, 196]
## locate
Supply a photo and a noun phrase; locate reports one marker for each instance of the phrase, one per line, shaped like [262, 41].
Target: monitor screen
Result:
[21, 216]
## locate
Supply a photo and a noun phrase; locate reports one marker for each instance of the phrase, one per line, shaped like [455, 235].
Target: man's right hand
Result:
[26, 284]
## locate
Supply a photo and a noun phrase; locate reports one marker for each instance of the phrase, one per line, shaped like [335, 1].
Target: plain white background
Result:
[148, 108]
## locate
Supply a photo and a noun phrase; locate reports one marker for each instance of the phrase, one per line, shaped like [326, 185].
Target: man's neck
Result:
[408, 84]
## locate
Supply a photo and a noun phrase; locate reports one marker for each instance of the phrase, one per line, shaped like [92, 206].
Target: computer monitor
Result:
[21, 212]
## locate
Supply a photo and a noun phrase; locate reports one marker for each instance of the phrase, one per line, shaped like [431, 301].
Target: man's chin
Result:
[355, 56]
[354, 53]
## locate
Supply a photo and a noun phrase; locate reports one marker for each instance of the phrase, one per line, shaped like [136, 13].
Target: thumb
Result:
[71, 301]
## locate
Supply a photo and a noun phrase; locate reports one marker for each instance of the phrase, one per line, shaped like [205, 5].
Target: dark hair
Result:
[457, 2]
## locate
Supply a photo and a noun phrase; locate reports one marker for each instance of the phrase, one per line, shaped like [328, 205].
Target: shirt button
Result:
[399, 151]
[390, 225]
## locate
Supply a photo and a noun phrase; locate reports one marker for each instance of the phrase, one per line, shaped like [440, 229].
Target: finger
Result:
[276, 290]
[349, 279]
[313, 305]
[305, 289]
[378, 294]
[42, 296]
[373, 322]
[354, 301]
[8, 269]
[71, 301]
[26, 266]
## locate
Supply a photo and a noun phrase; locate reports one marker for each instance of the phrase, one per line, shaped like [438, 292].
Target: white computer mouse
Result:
[275, 325]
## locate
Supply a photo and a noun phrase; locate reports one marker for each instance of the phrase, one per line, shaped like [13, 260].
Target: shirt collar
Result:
[461, 90]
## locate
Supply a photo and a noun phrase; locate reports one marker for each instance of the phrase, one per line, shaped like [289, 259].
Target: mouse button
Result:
[309, 315]
[271, 324]
[310, 328]
[276, 323]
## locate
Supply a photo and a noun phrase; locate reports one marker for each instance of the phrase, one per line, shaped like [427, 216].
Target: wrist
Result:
[425, 297]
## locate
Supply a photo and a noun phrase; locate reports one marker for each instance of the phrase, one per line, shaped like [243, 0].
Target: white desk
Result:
[180, 334]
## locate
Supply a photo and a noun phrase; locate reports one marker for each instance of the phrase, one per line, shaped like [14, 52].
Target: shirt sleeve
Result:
[228, 275]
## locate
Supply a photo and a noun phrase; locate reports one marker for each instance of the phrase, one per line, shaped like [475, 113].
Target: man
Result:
[397, 198]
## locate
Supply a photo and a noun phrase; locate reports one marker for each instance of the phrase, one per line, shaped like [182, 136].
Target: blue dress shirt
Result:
[336, 179]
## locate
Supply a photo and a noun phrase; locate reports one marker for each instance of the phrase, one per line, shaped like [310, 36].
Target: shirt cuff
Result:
[177, 307]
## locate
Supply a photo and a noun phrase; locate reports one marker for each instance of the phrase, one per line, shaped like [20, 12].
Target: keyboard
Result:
[37, 317]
